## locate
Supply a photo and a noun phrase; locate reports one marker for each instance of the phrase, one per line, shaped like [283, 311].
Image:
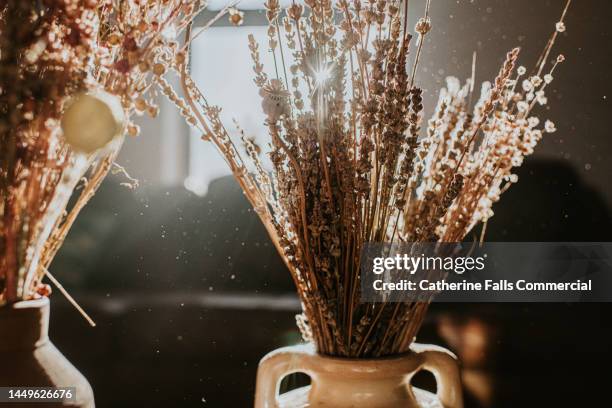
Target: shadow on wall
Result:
[550, 203]
[171, 239]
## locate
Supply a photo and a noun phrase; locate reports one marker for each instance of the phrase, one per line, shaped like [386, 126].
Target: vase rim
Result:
[382, 366]
[388, 358]
[29, 304]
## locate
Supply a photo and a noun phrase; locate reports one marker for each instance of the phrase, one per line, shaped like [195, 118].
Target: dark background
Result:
[188, 293]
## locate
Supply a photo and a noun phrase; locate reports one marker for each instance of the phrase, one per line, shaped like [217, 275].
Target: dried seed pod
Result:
[92, 120]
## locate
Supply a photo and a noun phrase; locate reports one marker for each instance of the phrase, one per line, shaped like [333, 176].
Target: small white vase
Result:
[355, 383]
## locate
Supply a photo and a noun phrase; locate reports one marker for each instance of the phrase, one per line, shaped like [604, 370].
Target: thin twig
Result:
[69, 297]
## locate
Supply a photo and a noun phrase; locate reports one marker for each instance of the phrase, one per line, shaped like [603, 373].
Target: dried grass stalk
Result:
[51, 52]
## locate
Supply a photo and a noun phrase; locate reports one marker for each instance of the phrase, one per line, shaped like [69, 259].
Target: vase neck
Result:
[24, 325]
[380, 382]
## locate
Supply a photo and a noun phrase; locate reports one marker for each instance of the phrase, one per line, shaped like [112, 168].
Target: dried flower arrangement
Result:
[349, 163]
[67, 66]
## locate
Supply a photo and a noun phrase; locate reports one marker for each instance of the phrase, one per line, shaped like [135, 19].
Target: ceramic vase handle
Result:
[274, 367]
[443, 365]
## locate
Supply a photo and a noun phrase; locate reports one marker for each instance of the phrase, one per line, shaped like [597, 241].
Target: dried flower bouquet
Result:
[72, 74]
[350, 164]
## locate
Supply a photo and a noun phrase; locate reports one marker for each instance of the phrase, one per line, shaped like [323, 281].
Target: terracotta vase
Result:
[29, 359]
[356, 383]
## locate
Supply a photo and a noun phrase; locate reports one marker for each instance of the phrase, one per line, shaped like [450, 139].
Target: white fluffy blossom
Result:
[548, 78]
[560, 26]
[541, 98]
[522, 106]
[275, 100]
[533, 121]
[536, 80]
